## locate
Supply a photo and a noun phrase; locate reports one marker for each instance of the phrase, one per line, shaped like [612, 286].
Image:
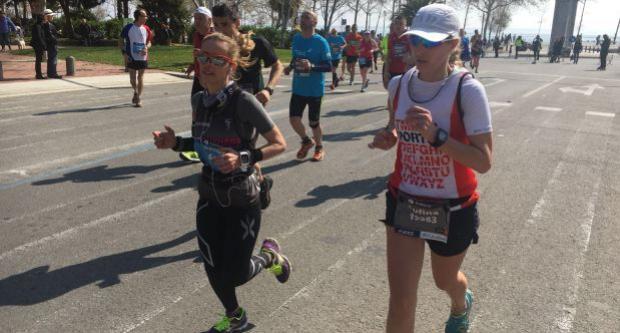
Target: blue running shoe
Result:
[460, 323]
[231, 324]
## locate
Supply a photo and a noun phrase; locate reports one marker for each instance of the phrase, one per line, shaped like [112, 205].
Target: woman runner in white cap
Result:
[440, 119]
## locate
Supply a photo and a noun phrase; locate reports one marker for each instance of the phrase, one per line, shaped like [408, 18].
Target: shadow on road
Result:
[367, 188]
[39, 284]
[282, 166]
[350, 136]
[102, 173]
[84, 110]
[354, 112]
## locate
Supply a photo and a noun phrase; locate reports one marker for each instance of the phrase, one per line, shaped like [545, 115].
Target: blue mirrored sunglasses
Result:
[417, 40]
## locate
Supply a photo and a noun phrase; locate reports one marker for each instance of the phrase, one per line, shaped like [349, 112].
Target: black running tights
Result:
[226, 237]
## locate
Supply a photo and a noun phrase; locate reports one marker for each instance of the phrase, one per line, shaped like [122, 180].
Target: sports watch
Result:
[269, 90]
[244, 156]
[441, 136]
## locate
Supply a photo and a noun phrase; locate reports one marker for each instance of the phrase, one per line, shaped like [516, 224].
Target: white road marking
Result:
[565, 322]
[116, 217]
[499, 104]
[587, 90]
[493, 82]
[528, 94]
[307, 289]
[600, 114]
[548, 108]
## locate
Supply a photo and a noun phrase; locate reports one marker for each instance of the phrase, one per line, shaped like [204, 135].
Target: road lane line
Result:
[307, 289]
[566, 319]
[106, 219]
[543, 87]
[548, 108]
[601, 114]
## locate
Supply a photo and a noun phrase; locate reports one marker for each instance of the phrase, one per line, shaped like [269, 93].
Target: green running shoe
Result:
[189, 156]
[460, 323]
[281, 266]
[231, 324]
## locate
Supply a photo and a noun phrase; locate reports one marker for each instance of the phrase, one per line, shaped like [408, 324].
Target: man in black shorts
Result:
[138, 37]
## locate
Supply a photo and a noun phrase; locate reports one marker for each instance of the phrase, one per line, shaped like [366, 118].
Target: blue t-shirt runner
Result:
[335, 44]
[316, 50]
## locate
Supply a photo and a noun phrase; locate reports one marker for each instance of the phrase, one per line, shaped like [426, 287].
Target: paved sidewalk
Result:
[19, 77]
[29, 88]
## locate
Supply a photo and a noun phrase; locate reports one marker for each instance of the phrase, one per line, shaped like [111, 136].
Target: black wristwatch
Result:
[269, 90]
[245, 158]
[441, 136]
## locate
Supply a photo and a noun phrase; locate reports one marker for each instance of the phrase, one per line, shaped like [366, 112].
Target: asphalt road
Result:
[97, 227]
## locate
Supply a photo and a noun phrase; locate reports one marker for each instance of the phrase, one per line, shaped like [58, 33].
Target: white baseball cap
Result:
[435, 22]
[204, 11]
[48, 12]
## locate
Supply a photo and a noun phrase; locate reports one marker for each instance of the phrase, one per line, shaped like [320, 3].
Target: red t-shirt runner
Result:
[397, 50]
[353, 45]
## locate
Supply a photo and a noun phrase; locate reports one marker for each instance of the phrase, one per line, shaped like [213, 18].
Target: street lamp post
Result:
[616, 35]
[581, 20]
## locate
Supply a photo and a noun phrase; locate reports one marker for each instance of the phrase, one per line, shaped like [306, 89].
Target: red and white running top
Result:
[420, 169]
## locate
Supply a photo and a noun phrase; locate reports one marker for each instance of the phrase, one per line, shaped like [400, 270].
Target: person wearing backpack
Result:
[228, 213]
[440, 121]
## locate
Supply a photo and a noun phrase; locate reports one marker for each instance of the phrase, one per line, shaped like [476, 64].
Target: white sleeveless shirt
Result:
[421, 169]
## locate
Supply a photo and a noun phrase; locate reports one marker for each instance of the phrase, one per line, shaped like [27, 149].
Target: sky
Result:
[600, 17]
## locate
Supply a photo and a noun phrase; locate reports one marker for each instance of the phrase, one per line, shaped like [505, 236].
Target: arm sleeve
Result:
[268, 54]
[250, 110]
[477, 113]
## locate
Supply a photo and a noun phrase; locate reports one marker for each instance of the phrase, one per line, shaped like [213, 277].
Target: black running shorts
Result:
[298, 104]
[351, 59]
[463, 228]
[137, 65]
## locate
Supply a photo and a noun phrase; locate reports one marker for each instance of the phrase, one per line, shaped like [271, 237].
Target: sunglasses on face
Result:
[417, 40]
[219, 61]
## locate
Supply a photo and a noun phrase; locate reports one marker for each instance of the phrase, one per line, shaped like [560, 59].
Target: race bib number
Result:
[299, 70]
[425, 220]
[137, 47]
[335, 49]
[400, 50]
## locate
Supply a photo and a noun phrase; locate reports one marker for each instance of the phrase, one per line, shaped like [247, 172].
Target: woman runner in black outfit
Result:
[228, 213]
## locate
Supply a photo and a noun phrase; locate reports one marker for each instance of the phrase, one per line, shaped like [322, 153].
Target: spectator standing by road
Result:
[84, 31]
[519, 46]
[51, 40]
[577, 47]
[536, 47]
[39, 45]
[604, 51]
[496, 46]
[6, 26]
[137, 37]
[427, 123]
[465, 52]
